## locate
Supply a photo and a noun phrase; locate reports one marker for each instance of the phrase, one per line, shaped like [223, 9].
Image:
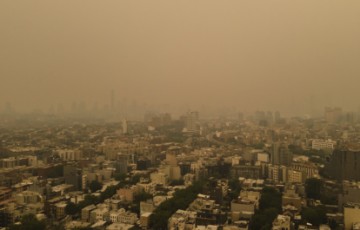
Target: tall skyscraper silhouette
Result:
[280, 154]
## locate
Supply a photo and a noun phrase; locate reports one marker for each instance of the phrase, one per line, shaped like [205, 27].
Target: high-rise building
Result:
[280, 154]
[332, 115]
[73, 176]
[192, 121]
[157, 120]
[277, 117]
[241, 117]
[345, 163]
[121, 165]
[112, 100]
[124, 126]
[269, 117]
[171, 159]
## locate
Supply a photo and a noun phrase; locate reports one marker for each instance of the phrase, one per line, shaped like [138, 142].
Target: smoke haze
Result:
[293, 56]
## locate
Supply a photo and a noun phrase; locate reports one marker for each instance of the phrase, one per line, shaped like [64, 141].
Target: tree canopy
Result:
[95, 186]
[314, 215]
[270, 205]
[29, 222]
[71, 209]
[181, 200]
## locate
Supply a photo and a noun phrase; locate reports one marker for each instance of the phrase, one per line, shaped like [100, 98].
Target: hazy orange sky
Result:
[288, 55]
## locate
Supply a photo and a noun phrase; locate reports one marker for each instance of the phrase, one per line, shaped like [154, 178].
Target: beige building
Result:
[85, 212]
[119, 226]
[69, 154]
[242, 208]
[28, 197]
[159, 178]
[60, 210]
[172, 172]
[127, 218]
[146, 207]
[126, 194]
[290, 197]
[171, 159]
[322, 144]
[145, 220]
[121, 216]
[351, 215]
[99, 214]
[308, 168]
[182, 220]
[295, 176]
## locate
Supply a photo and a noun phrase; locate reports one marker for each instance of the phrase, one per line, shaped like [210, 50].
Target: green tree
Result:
[142, 196]
[181, 200]
[314, 215]
[135, 179]
[90, 199]
[270, 206]
[177, 182]
[120, 176]
[95, 186]
[235, 188]
[29, 222]
[109, 192]
[71, 209]
[270, 198]
[263, 219]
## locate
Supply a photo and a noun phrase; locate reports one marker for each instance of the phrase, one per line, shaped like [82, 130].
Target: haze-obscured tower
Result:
[112, 101]
[73, 175]
[280, 154]
[241, 117]
[277, 117]
[192, 121]
[121, 163]
[124, 126]
[332, 115]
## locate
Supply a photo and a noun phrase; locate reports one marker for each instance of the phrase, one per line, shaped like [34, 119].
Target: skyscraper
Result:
[192, 121]
[124, 126]
[332, 115]
[280, 154]
[73, 175]
[112, 101]
[121, 165]
[345, 163]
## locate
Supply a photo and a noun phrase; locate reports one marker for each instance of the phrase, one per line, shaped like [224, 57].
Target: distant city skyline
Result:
[296, 57]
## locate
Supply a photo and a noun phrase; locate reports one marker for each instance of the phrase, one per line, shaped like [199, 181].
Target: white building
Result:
[121, 216]
[127, 218]
[319, 144]
[69, 154]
